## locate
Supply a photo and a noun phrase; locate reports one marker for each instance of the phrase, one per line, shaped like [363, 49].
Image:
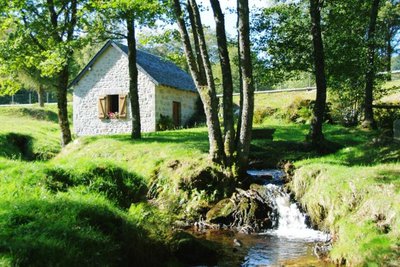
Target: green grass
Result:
[360, 205]
[278, 100]
[29, 133]
[86, 203]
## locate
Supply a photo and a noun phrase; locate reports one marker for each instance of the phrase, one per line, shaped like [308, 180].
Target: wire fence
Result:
[26, 97]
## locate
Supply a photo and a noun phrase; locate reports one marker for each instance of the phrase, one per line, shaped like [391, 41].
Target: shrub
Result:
[199, 117]
[164, 123]
[346, 110]
[261, 114]
[386, 116]
[301, 111]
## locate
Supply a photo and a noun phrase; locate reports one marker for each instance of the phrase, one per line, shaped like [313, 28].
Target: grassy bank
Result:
[351, 189]
[88, 205]
[360, 205]
[110, 199]
[354, 193]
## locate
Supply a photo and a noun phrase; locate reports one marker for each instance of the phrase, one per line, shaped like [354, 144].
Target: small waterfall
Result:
[291, 221]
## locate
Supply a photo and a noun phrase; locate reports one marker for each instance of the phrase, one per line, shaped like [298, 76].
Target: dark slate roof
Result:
[160, 71]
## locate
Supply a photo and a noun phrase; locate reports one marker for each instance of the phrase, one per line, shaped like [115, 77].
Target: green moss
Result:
[221, 212]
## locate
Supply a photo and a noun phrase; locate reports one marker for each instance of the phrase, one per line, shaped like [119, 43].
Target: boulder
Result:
[247, 210]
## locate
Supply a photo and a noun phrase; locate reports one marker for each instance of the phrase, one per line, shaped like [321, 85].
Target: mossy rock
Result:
[222, 212]
[250, 210]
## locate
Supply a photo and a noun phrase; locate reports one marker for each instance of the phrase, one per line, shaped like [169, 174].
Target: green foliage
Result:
[164, 123]
[33, 51]
[282, 41]
[386, 116]
[199, 117]
[301, 111]
[284, 46]
[261, 114]
[110, 20]
[166, 44]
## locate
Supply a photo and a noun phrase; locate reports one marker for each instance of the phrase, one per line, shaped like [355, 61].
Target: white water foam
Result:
[292, 222]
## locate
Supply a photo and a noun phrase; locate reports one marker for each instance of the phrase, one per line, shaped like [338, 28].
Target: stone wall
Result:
[109, 76]
[166, 95]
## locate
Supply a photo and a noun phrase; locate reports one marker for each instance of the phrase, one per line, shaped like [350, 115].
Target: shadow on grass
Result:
[345, 146]
[270, 154]
[65, 232]
[191, 139]
[389, 177]
[16, 146]
[37, 113]
[115, 183]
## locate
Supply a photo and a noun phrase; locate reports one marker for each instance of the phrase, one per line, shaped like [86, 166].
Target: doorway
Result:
[176, 113]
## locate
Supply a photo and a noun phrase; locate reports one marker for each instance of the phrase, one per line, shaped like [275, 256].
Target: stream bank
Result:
[266, 227]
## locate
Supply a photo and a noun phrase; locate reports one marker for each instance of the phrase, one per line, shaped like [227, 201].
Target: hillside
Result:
[87, 196]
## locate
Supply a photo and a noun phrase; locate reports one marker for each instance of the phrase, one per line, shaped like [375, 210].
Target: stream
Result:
[290, 243]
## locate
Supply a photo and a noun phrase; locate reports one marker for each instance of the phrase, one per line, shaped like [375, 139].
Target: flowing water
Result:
[290, 244]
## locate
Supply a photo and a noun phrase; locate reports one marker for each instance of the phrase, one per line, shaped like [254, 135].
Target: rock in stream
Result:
[248, 210]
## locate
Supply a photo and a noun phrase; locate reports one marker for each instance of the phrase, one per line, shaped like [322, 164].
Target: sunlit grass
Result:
[344, 190]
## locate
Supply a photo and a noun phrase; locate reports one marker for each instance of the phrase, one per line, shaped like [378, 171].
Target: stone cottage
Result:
[100, 93]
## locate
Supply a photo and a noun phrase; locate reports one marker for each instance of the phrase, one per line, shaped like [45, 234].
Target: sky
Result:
[230, 18]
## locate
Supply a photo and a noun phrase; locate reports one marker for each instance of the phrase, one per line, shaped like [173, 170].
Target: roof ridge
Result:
[160, 70]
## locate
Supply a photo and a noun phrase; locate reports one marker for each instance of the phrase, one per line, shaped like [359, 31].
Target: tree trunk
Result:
[315, 133]
[239, 122]
[40, 94]
[63, 75]
[369, 121]
[207, 96]
[389, 52]
[199, 59]
[62, 106]
[248, 87]
[227, 82]
[210, 98]
[133, 78]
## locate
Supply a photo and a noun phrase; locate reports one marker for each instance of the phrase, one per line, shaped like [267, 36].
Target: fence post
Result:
[47, 97]
[30, 98]
[12, 99]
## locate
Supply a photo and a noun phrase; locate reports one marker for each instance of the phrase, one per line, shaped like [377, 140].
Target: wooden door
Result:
[176, 113]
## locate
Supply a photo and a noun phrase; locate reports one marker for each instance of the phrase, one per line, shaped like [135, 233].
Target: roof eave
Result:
[90, 64]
